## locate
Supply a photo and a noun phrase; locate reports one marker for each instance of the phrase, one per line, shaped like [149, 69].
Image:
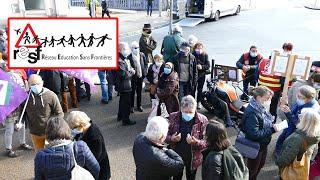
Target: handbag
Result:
[164, 112]
[78, 172]
[246, 147]
[153, 89]
[298, 170]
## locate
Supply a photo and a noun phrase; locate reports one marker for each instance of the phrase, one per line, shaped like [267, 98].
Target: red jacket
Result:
[198, 129]
[267, 79]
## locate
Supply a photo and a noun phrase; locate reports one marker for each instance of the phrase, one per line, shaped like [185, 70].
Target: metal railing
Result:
[126, 4]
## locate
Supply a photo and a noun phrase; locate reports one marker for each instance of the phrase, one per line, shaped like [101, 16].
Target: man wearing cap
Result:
[147, 43]
[186, 67]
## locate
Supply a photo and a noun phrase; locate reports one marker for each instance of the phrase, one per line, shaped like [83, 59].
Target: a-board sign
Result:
[226, 73]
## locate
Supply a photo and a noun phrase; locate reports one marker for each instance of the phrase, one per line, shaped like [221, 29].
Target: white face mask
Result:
[253, 54]
[135, 51]
[36, 88]
[158, 63]
[266, 105]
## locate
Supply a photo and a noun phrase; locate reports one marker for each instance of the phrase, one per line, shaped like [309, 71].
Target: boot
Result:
[73, 93]
[64, 97]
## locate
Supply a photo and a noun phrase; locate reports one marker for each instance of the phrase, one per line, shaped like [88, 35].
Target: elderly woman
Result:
[56, 161]
[154, 161]
[168, 88]
[83, 128]
[305, 99]
[301, 142]
[186, 136]
[257, 126]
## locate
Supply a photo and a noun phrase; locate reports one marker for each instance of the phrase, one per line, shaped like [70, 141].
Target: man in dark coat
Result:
[51, 80]
[154, 161]
[147, 43]
[186, 67]
[139, 62]
[123, 86]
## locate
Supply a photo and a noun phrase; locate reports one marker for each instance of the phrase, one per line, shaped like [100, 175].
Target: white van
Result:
[212, 9]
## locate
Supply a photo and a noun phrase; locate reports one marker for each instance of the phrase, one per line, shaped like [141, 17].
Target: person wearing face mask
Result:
[153, 74]
[152, 159]
[42, 105]
[139, 62]
[305, 99]
[248, 63]
[168, 88]
[203, 66]
[186, 66]
[82, 128]
[146, 43]
[186, 136]
[257, 126]
[123, 85]
[275, 82]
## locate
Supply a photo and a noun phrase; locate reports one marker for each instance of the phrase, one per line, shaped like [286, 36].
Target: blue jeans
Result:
[149, 9]
[184, 89]
[103, 83]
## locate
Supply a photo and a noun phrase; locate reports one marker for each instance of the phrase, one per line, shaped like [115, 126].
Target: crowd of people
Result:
[185, 138]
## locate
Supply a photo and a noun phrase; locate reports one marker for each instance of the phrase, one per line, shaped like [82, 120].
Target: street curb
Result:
[312, 8]
[133, 33]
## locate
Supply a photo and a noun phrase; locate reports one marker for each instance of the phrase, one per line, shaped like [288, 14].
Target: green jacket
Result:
[171, 46]
[292, 146]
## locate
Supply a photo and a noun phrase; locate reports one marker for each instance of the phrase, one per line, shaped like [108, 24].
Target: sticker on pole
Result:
[63, 43]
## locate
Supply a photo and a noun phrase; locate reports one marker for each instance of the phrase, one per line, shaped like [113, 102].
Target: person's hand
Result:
[191, 140]
[245, 68]
[285, 108]
[133, 71]
[275, 127]
[199, 67]
[18, 126]
[176, 137]
[283, 100]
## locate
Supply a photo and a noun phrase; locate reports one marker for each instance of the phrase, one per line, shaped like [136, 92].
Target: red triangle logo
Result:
[24, 34]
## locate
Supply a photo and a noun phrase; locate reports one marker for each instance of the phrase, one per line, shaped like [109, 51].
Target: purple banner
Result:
[11, 95]
[84, 75]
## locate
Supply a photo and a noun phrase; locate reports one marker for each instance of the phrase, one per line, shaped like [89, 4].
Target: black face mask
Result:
[148, 32]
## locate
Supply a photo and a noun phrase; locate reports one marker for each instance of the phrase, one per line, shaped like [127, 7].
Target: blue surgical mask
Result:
[186, 116]
[300, 102]
[76, 134]
[36, 89]
[167, 70]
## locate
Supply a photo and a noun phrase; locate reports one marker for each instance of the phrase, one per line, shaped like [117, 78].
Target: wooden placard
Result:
[279, 63]
[302, 66]
[227, 73]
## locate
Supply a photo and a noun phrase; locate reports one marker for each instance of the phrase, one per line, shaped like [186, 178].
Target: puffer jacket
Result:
[293, 146]
[154, 162]
[57, 162]
[198, 129]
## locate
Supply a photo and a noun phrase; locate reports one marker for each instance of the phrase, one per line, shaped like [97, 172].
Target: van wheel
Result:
[217, 16]
[238, 10]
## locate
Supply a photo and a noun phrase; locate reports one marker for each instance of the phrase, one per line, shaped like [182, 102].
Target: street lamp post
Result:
[171, 16]
[160, 7]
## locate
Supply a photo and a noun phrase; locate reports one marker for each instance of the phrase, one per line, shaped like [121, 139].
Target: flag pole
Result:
[25, 105]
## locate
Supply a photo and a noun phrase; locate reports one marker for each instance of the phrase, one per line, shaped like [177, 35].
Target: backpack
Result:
[233, 165]
[78, 172]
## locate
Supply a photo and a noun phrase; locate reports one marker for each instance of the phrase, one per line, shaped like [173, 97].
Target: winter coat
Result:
[57, 162]
[154, 162]
[253, 62]
[293, 146]
[95, 142]
[212, 165]
[193, 71]
[169, 94]
[143, 64]
[51, 80]
[123, 84]
[40, 108]
[198, 129]
[147, 44]
[171, 46]
[152, 75]
[202, 60]
[254, 128]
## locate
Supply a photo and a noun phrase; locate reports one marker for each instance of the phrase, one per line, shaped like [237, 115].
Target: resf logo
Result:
[26, 50]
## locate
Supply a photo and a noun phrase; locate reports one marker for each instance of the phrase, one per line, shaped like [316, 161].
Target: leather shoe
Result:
[140, 109]
[128, 123]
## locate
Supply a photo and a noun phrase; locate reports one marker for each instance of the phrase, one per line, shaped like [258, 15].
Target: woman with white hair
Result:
[299, 145]
[152, 159]
[83, 129]
[140, 63]
[186, 135]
